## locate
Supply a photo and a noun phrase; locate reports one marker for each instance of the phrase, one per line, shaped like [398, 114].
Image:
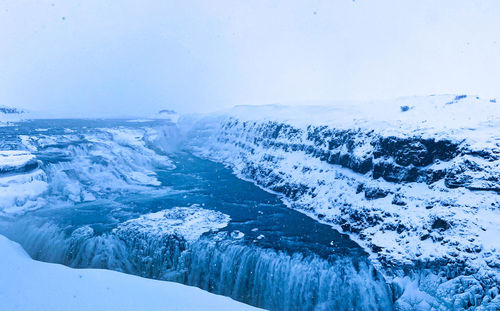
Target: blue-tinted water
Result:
[99, 177]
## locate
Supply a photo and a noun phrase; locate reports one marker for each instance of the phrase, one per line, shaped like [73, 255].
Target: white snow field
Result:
[415, 181]
[27, 284]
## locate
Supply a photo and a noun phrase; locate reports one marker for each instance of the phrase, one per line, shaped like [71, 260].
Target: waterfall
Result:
[262, 277]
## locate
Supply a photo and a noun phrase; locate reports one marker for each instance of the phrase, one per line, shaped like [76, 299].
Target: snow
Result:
[31, 285]
[450, 115]
[140, 121]
[167, 114]
[393, 220]
[14, 159]
[106, 161]
[187, 222]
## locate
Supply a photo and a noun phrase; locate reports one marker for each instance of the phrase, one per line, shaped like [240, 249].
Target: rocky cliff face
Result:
[419, 187]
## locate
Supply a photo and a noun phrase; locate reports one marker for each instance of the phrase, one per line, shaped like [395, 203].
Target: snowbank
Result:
[26, 284]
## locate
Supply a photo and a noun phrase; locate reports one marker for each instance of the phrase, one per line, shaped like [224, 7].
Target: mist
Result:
[131, 58]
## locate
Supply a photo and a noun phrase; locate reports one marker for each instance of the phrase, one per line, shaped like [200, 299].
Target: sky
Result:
[105, 58]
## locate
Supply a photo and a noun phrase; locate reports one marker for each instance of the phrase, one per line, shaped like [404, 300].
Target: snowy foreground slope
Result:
[34, 285]
[416, 181]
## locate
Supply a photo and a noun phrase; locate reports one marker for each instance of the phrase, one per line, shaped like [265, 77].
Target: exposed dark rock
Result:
[398, 200]
[375, 193]
[376, 249]
[424, 237]
[440, 224]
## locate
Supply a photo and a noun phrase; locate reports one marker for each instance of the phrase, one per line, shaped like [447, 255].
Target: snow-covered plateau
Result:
[416, 181]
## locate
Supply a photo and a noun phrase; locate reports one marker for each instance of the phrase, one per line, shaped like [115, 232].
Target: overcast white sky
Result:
[118, 58]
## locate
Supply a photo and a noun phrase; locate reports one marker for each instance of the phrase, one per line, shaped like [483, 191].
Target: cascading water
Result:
[219, 263]
[114, 202]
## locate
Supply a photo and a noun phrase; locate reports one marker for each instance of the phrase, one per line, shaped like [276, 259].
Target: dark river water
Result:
[108, 180]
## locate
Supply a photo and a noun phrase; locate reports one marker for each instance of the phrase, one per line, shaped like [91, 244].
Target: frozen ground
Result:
[416, 181]
[31, 285]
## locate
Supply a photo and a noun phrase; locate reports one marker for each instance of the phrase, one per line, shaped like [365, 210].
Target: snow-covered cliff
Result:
[416, 181]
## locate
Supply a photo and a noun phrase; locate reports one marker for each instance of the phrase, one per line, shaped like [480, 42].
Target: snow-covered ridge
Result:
[32, 285]
[415, 180]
